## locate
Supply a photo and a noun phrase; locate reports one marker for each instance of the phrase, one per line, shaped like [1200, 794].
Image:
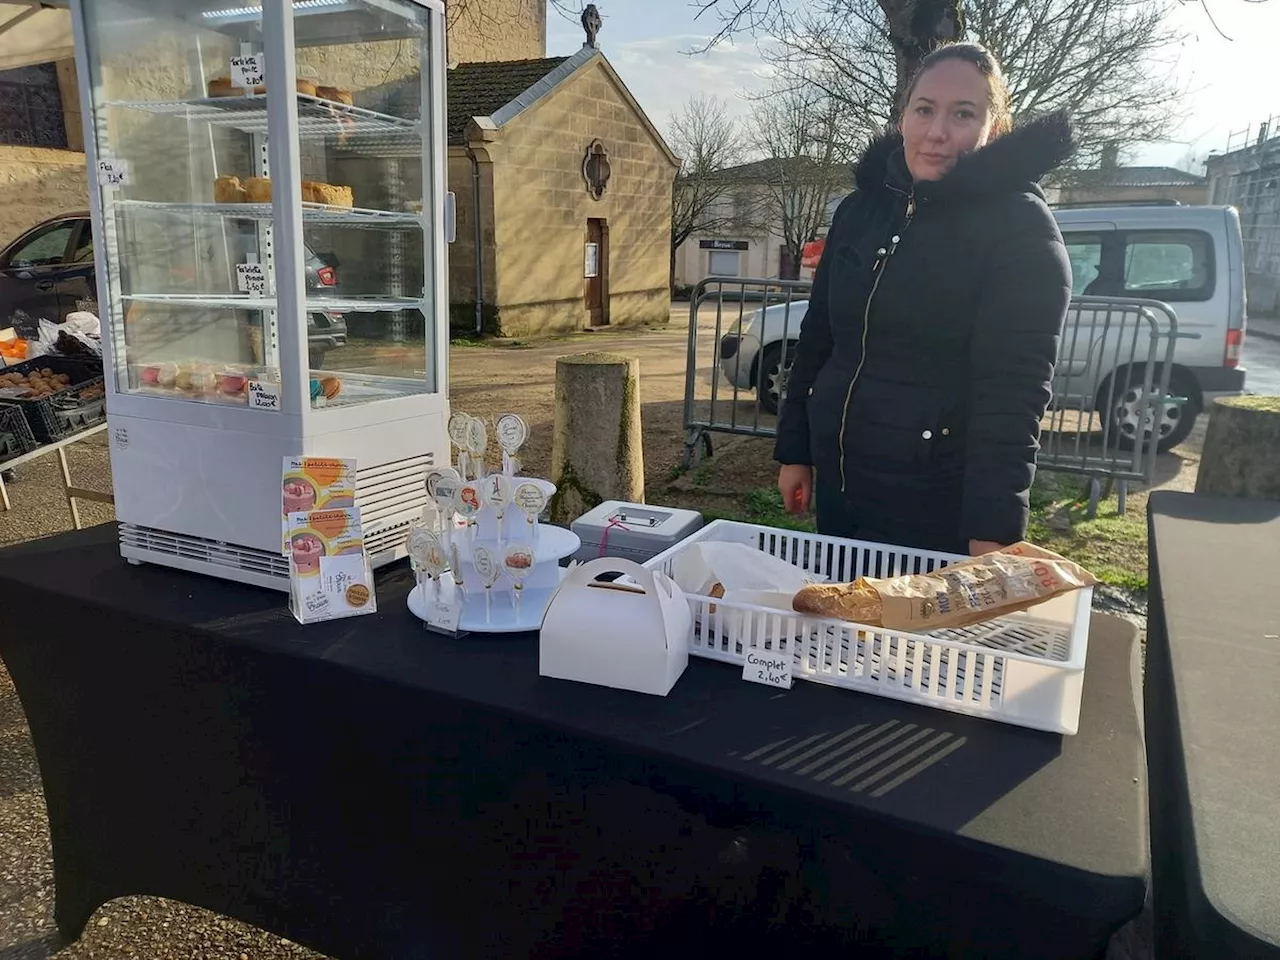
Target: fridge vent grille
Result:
[198, 549]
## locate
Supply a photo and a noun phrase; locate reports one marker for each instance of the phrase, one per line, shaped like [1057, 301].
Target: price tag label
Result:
[251, 279]
[770, 669]
[113, 173]
[249, 71]
[445, 612]
[264, 396]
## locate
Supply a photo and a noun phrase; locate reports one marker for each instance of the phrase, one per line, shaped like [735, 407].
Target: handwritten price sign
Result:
[264, 396]
[248, 71]
[251, 279]
[770, 669]
[113, 173]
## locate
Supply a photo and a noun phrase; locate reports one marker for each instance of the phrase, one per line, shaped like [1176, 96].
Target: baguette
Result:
[857, 602]
[967, 592]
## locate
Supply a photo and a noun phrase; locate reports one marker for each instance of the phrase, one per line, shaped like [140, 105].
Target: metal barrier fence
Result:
[1110, 387]
[743, 362]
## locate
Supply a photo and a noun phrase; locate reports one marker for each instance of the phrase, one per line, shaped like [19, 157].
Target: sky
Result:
[1231, 83]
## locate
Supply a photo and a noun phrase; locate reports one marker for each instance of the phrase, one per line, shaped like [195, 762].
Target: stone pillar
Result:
[596, 452]
[1242, 449]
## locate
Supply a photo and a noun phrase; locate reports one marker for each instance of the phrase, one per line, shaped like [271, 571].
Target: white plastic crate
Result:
[1026, 668]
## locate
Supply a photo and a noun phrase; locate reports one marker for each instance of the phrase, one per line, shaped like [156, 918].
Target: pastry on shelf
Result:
[229, 190]
[258, 189]
[330, 386]
[221, 87]
[337, 95]
[232, 383]
[329, 194]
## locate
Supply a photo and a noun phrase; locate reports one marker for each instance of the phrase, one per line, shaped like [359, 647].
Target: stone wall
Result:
[541, 208]
[36, 184]
[497, 30]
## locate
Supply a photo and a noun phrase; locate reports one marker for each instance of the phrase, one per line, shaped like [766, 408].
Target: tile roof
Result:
[481, 89]
[1131, 177]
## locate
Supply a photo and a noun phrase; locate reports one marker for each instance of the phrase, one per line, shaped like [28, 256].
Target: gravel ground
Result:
[149, 927]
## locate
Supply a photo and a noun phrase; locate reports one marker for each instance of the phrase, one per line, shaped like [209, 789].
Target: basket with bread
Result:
[1002, 636]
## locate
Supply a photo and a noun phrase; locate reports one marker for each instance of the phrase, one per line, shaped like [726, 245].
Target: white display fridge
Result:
[270, 215]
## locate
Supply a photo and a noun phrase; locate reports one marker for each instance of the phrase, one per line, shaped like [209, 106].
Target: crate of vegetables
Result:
[15, 435]
[58, 395]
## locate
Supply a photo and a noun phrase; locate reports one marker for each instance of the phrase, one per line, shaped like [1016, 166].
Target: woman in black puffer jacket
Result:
[925, 361]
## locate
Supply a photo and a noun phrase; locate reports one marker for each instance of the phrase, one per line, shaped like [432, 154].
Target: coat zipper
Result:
[882, 260]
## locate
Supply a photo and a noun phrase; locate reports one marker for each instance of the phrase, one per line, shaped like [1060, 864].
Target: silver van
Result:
[1191, 258]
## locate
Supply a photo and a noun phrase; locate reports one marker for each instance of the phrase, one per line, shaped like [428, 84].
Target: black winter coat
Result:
[925, 361]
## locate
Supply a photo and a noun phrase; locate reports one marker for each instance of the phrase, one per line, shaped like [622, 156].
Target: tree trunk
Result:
[671, 276]
[596, 452]
[916, 29]
[1242, 449]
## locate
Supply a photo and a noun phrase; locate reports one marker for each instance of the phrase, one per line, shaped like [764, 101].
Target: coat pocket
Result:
[898, 428]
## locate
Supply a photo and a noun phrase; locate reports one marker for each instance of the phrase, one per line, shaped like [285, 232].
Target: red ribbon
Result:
[604, 537]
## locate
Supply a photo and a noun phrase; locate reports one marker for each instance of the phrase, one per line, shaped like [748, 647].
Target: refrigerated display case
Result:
[271, 215]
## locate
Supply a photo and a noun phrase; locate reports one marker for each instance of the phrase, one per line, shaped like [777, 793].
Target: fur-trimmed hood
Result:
[1016, 160]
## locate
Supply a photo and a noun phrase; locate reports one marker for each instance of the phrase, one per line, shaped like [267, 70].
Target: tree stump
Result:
[1242, 449]
[596, 452]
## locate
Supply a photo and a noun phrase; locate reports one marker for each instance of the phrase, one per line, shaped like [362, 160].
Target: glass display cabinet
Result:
[270, 214]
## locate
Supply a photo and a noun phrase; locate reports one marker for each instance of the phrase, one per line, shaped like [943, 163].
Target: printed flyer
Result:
[314, 483]
[329, 572]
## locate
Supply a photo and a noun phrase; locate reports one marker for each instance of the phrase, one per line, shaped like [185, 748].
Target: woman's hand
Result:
[979, 547]
[795, 483]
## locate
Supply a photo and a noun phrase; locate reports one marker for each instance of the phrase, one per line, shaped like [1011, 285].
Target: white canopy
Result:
[34, 32]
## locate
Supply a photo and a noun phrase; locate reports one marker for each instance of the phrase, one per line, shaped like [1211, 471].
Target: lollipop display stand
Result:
[490, 561]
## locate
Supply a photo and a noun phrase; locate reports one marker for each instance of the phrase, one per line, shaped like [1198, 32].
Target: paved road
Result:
[1262, 360]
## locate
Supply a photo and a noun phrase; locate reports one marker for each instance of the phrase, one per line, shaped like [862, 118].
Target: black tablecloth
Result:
[375, 790]
[1213, 725]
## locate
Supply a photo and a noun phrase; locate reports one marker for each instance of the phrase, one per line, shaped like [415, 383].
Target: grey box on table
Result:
[632, 531]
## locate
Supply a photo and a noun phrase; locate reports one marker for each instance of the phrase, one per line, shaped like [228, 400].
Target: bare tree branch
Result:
[703, 198]
[808, 140]
[1102, 60]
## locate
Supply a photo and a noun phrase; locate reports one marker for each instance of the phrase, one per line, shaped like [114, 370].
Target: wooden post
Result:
[1242, 449]
[596, 452]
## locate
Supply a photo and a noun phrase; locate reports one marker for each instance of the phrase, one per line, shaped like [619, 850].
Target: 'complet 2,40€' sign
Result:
[767, 667]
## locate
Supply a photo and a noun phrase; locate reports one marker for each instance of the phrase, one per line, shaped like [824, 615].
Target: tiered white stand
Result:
[551, 545]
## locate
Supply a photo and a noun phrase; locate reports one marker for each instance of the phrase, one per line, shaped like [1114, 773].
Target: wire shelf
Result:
[339, 304]
[312, 213]
[355, 128]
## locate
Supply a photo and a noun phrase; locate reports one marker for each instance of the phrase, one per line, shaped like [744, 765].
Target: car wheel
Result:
[315, 357]
[1132, 416]
[772, 377]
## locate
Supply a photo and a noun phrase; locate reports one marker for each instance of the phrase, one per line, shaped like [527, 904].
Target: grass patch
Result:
[1111, 546]
[763, 506]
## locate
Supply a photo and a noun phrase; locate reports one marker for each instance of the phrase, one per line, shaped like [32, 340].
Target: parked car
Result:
[49, 272]
[1190, 257]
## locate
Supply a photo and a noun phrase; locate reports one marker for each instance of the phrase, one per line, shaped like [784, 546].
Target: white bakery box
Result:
[632, 531]
[645, 645]
[1026, 668]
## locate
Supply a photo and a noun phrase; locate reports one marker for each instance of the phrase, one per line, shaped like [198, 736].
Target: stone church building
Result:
[564, 185]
